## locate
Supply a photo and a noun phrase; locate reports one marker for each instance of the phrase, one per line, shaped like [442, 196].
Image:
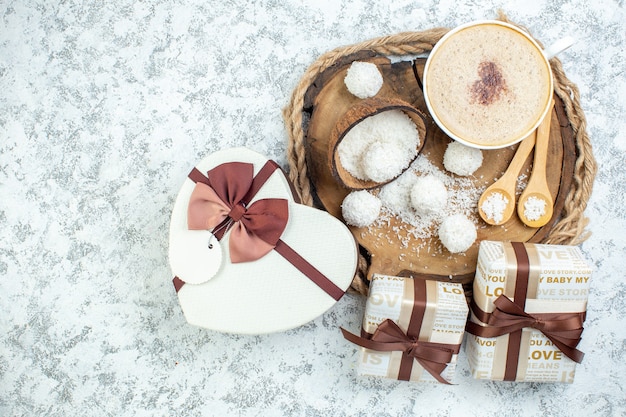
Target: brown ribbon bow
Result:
[433, 357]
[223, 204]
[563, 329]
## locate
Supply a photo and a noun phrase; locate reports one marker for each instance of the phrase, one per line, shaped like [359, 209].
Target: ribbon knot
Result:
[223, 203]
[413, 348]
[237, 212]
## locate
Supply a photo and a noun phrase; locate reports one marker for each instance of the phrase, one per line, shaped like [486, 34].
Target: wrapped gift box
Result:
[529, 303]
[412, 329]
[246, 257]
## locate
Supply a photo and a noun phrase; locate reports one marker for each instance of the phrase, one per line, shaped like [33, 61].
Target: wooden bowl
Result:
[355, 115]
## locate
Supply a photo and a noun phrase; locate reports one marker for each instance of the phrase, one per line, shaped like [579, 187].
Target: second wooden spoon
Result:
[535, 205]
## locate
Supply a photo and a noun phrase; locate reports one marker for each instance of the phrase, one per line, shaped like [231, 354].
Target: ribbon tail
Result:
[434, 359]
[373, 344]
[566, 346]
[435, 369]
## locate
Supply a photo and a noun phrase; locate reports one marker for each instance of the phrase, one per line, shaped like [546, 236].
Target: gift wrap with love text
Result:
[442, 321]
[552, 283]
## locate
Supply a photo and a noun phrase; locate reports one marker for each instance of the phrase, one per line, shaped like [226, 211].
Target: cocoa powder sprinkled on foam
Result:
[491, 85]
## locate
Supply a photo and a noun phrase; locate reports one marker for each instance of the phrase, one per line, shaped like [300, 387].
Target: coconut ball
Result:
[384, 160]
[363, 79]
[428, 195]
[396, 194]
[462, 160]
[457, 233]
[360, 208]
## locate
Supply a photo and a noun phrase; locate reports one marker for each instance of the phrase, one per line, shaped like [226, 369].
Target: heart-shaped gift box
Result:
[246, 257]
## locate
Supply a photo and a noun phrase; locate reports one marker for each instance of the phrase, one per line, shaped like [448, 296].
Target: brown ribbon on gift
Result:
[563, 329]
[418, 310]
[220, 202]
[388, 336]
[433, 357]
[509, 317]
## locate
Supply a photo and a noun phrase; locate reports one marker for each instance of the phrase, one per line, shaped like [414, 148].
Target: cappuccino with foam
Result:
[487, 84]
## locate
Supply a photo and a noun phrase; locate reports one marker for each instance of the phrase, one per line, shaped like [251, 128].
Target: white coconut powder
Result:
[392, 126]
[494, 206]
[534, 208]
[462, 199]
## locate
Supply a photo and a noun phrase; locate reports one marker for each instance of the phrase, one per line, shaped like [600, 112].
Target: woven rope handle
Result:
[570, 229]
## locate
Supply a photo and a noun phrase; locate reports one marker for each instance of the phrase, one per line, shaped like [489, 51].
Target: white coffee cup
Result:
[488, 84]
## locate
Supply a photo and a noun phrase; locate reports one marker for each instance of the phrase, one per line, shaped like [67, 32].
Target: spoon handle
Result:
[538, 181]
[541, 149]
[521, 154]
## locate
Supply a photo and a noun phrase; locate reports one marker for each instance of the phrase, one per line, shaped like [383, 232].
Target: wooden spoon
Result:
[535, 205]
[506, 184]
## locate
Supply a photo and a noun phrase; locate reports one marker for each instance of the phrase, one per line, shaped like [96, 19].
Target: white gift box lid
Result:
[269, 294]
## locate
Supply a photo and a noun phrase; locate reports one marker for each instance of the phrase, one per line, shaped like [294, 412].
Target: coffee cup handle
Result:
[558, 47]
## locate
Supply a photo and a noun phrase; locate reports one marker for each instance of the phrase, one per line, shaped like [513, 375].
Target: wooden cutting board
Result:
[386, 246]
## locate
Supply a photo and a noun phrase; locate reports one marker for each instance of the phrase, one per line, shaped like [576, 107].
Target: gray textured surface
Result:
[104, 107]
